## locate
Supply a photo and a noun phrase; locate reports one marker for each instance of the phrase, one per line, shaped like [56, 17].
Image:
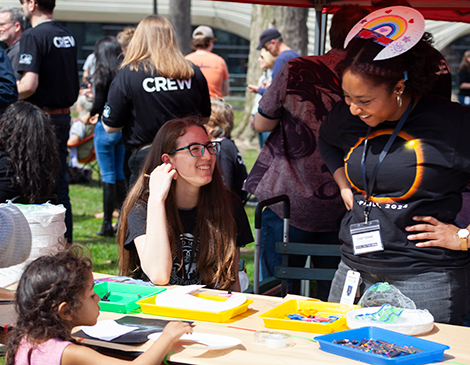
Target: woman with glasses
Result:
[155, 84]
[180, 225]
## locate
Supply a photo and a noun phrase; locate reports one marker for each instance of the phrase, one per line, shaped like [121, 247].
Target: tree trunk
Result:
[292, 24]
[180, 17]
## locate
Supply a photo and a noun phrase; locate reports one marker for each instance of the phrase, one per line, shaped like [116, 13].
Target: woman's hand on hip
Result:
[160, 181]
[434, 233]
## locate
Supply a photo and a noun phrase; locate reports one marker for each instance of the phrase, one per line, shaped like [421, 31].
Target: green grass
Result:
[87, 201]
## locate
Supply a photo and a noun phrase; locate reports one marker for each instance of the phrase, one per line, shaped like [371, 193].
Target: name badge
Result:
[366, 237]
[350, 287]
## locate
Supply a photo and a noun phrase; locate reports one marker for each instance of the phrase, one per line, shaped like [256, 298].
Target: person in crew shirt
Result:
[48, 62]
[152, 88]
[213, 66]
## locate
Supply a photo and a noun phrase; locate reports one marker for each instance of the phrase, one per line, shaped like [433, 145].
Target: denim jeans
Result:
[61, 124]
[110, 152]
[272, 231]
[445, 293]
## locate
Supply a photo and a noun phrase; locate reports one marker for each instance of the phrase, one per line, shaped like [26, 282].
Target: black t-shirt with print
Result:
[50, 50]
[423, 174]
[188, 246]
[142, 103]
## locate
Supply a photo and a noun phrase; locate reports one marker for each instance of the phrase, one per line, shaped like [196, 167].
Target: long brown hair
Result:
[154, 48]
[215, 224]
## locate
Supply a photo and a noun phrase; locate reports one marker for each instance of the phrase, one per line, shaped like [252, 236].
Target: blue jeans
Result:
[61, 124]
[110, 152]
[445, 293]
[272, 228]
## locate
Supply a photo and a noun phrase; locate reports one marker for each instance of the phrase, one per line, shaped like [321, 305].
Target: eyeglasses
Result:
[197, 149]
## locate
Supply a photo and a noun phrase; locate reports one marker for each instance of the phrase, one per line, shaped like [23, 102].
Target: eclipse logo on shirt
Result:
[152, 84]
[25, 59]
[64, 42]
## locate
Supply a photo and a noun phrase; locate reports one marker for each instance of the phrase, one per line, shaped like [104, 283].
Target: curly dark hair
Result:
[45, 284]
[27, 136]
[421, 63]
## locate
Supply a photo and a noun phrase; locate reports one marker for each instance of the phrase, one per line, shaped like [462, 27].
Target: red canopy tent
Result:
[445, 10]
[448, 10]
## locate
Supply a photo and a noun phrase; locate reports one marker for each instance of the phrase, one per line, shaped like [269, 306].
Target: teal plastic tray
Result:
[123, 297]
[432, 351]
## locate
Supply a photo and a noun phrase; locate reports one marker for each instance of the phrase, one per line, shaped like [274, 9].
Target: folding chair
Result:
[85, 162]
[259, 210]
[283, 273]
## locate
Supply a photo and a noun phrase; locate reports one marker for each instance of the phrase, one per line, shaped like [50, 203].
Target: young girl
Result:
[54, 295]
[179, 220]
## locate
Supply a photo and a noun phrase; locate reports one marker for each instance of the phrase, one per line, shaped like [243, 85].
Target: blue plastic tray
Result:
[432, 351]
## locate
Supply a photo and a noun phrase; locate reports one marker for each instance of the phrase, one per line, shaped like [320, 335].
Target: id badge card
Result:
[366, 237]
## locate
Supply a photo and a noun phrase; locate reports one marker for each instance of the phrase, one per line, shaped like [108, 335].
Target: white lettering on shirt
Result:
[64, 42]
[25, 59]
[157, 84]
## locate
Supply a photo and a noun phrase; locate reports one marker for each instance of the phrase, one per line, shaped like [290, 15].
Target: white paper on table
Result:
[107, 330]
[181, 298]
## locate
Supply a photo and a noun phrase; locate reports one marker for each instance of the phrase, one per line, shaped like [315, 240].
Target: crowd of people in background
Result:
[162, 135]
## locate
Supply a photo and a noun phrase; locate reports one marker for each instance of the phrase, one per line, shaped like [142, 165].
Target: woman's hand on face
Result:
[348, 198]
[160, 181]
[435, 233]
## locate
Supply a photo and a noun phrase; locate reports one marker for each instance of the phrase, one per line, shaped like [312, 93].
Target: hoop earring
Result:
[399, 99]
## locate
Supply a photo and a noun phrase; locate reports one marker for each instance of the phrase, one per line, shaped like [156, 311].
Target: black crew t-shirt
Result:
[141, 103]
[49, 49]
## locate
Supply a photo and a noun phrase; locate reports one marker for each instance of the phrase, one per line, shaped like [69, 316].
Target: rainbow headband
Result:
[396, 28]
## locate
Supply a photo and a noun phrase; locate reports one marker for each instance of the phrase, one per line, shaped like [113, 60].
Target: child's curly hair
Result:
[45, 284]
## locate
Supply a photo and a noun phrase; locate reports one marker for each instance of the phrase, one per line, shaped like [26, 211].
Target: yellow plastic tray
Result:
[277, 317]
[148, 306]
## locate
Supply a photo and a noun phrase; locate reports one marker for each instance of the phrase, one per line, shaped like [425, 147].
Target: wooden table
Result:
[304, 350]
